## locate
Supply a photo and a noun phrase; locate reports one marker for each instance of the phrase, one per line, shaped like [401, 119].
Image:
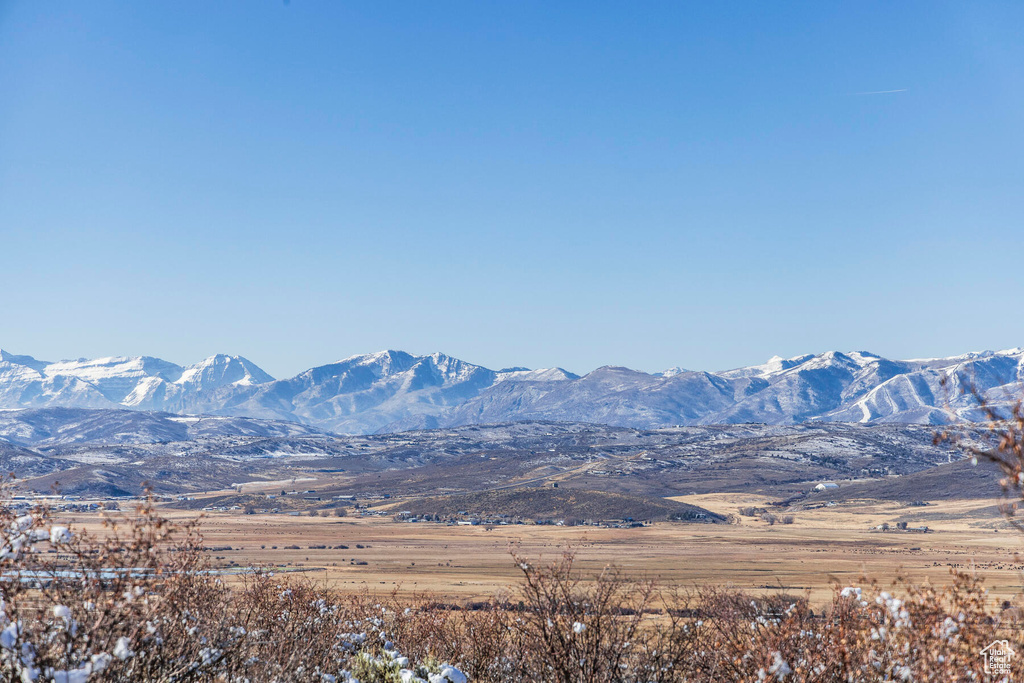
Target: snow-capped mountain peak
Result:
[26, 361]
[393, 390]
[773, 366]
[539, 375]
[222, 369]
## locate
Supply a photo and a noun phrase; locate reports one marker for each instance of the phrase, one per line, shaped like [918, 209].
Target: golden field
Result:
[820, 548]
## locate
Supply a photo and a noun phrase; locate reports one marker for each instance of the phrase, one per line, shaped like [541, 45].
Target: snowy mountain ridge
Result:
[393, 390]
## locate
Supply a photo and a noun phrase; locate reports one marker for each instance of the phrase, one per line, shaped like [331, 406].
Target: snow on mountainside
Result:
[367, 393]
[65, 426]
[394, 390]
[833, 386]
[197, 388]
[142, 382]
[542, 375]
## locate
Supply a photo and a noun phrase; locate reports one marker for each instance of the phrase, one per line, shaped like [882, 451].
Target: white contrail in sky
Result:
[880, 92]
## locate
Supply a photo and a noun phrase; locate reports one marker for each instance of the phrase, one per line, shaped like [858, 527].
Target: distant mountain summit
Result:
[140, 382]
[395, 391]
[369, 393]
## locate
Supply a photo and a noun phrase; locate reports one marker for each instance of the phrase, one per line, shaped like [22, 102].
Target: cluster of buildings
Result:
[65, 503]
[464, 518]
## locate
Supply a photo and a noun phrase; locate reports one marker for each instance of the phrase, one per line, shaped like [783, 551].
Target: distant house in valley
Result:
[826, 486]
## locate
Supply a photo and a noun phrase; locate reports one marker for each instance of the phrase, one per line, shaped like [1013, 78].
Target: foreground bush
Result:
[140, 603]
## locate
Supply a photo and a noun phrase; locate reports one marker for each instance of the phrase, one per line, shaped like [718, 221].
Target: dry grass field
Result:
[821, 547]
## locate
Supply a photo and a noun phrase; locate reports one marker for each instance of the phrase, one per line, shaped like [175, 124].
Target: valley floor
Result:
[822, 547]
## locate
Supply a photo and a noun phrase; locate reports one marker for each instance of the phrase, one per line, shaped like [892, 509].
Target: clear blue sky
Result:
[576, 184]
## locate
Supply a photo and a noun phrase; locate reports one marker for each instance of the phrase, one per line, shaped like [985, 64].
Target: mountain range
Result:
[393, 391]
